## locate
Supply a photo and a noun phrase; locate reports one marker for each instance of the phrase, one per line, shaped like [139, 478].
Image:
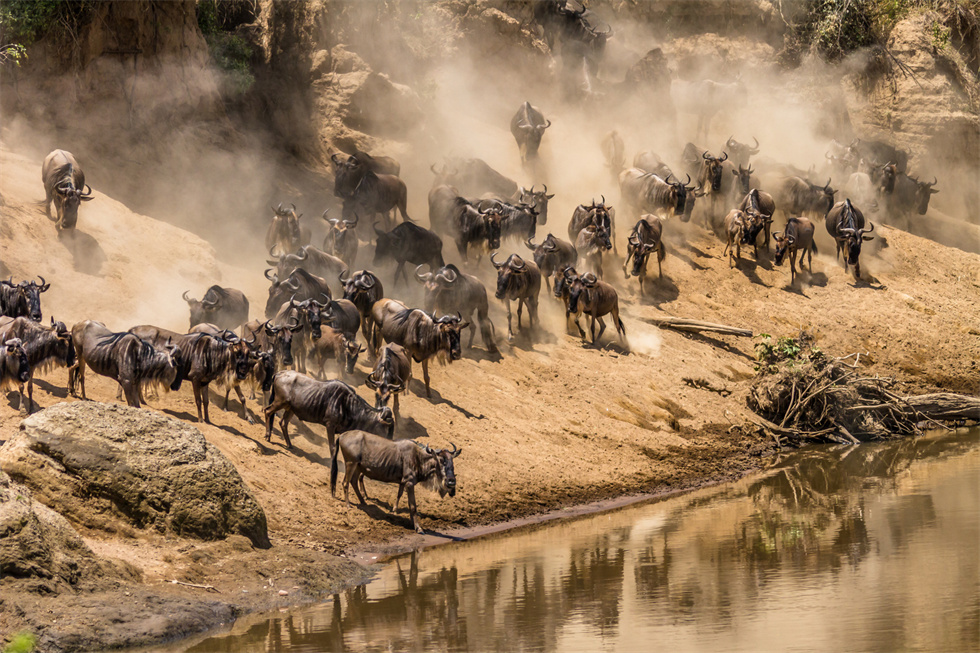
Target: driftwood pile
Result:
[803, 396]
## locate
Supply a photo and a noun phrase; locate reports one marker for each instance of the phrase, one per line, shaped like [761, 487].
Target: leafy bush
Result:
[25, 21]
[784, 350]
[229, 52]
[24, 642]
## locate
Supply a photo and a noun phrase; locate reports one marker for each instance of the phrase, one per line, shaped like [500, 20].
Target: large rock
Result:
[112, 467]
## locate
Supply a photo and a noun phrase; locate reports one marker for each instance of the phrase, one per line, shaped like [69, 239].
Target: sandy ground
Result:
[550, 424]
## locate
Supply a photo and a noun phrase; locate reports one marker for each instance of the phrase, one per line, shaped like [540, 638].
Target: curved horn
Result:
[343, 272]
[935, 180]
[729, 142]
[273, 278]
[869, 230]
[775, 234]
[306, 254]
[755, 148]
[704, 155]
[324, 216]
[365, 278]
[514, 265]
[450, 277]
[827, 185]
[352, 224]
[279, 209]
[422, 278]
[294, 207]
[603, 200]
[724, 156]
[89, 193]
[547, 124]
[688, 180]
[184, 296]
[493, 261]
[529, 243]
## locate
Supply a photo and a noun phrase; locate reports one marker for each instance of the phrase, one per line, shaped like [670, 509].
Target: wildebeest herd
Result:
[322, 314]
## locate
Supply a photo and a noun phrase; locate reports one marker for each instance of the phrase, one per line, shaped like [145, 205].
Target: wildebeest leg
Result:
[401, 490]
[132, 395]
[30, 394]
[510, 330]
[400, 269]
[425, 375]
[241, 398]
[792, 266]
[197, 399]
[284, 427]
[486, 331]
[602, 328]
[520, 308]
[396, 403]
[270, 415]
[357, 481]
[413, 510]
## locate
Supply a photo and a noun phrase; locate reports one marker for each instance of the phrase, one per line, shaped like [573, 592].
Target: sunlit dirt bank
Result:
[183, 181]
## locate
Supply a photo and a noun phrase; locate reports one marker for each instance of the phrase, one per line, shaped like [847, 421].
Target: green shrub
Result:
[24, 642]
[25, 21]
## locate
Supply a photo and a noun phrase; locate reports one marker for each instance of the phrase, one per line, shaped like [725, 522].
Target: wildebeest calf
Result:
[798, 237]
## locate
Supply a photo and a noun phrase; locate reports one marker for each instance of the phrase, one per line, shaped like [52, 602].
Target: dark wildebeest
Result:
[646, 237]
[518, 221]
[442, 202]
[797, 196]
[421, 334]
[343, 315]
[341, 239]
[798, 237]
[334, 345]
[841, 159]
[644, 192]
[740, 152]
[518, 280]
[285, 234]
[883, 177]
[277, 340]
[528, 127]
[262, 348]
[706, 98]
[598, 214]
[552, 254]
[309, 258]
[15, 369]
[592, 241]
[759, 206]
[537, 199]
[124, 357]
[879, 151]
[333, 404]
[377, 194]
[299, 285]
[391, 376]
[448, 291]
[564, 276]
[845, 224]
[225, 307]
[306, 315]
[473, 177]
[595, 298]
[22, 299]
[44, 346]
[363, 288]
[714, 183]
[404, 462]
[736, 223]
[471, 227]
[614, 153]
[348, 171]
[910, 196]
[651, 162]
[64, 184]
[408, 243]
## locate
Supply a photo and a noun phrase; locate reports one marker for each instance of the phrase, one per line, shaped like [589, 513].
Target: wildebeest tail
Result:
[621, 325]
[813, 246]
[333, 469]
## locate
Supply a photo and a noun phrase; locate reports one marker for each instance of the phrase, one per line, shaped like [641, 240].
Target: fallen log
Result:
[684, 324]
[945, 405]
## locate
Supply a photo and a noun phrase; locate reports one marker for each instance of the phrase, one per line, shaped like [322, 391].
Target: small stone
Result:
[283, 593]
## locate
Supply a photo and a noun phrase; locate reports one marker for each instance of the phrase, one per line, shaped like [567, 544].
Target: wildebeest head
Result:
[449, 327]
[281, 338]
[351, 351]
[595, 236]
[714, 168]
[278, 291]
[443, 478]
[537, 199]
[640, 253]
[16, 360]
[64, 349]
[361, 288]
[492, 217]
[68, 199]
[284, 231]
[826, 202]
[884, 176]
[564, 276]
[853, 235]
[923, 192]
[755, 222]
[532, 136]
[385, 383]
[784, 243]
[741, 151]
[542, 251]
[387, 244]
[680, 191]
[509, 273]
[310, 309]
[241, 350]
[744, 177]
[26, 297]
[203, 310]
[337, 231]
[579, 286]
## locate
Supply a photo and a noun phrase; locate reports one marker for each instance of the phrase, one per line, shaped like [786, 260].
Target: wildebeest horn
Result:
[449, 276]
[868, 230]
[775, 234]
[494, 262]
[827, 185]
[549, 247]
[935, 180]
[529, 243]
[547, 124]
[724, 156]
[184, 296]
[422, 278]
[589, 279]
[728, 143]
[43, 285]
[279, 208]
[365, 279]
[291, 284]
[603, 200]
[324, 216]
[272, 278]
[436, 172]
[517, 263]
[688, 180]
[352, 224]
[89, 193]
[704, 155]
[755, 148]
[345, 271]
[294, 206]
[305, 255]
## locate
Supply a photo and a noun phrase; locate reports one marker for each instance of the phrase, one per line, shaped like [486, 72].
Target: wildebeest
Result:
[299, 285]
[736, 223]
[798, 237]
[861, 189]
[797, 196]
[64, 184]
[404, 462]
[22, 299]
[124, 357]
[334, 345]
[309, 258]
[277, 340]
[44, 346]
[614, 153]
[595, 298]
[538, 199]
[759, 206]
[448, 291]
[391, 375]
[333, 404]
[421, 334]
[564, 276]
[910, 196]
[473, 177]
[592, 241]
[516, 220]
[528, 127]
[651, 162]
[225, 307]
[597, 214]
[551, 254]
[286, 234]
[879, 151]
[740, 152]
[471, 226]
[845, 224]
[518, 280]
[707, 97]
[261, 348]
[343, 315]
[348, 171]
[306, 315]
[377, 194]
[15, 369]
[646, 237]
[712, 180]
[341, 239]
[644, 192]
[408, 243]
[363, 288]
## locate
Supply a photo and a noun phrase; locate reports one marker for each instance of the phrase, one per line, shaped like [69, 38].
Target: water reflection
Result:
[870, 548]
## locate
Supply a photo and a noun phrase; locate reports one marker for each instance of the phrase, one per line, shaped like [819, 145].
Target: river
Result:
[867, 548]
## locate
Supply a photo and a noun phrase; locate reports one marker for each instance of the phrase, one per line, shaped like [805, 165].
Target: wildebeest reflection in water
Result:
[853, 536]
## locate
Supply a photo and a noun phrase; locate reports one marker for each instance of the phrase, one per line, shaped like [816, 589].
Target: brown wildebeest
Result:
[404, 462]
[595, 298]
[15, 370]
[363, 289]
[736, 223]
[225, 307]
[22, 299]
[798, 237]
[341, 239]
[44, 346]
[285, 234]
[646, 237]
[64, 184]
[448, 291]
[391, 376]
[528, 127]
[552, 254]
[333, 345]
[845, 224]
[518, 280]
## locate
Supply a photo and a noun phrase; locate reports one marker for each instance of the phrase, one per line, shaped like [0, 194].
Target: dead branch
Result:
[209, 588]
[684, 324]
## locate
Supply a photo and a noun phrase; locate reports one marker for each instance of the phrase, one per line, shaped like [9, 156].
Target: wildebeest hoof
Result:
[420, 530]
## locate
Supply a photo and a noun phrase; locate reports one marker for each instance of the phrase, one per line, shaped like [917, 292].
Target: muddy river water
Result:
[868, 548]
